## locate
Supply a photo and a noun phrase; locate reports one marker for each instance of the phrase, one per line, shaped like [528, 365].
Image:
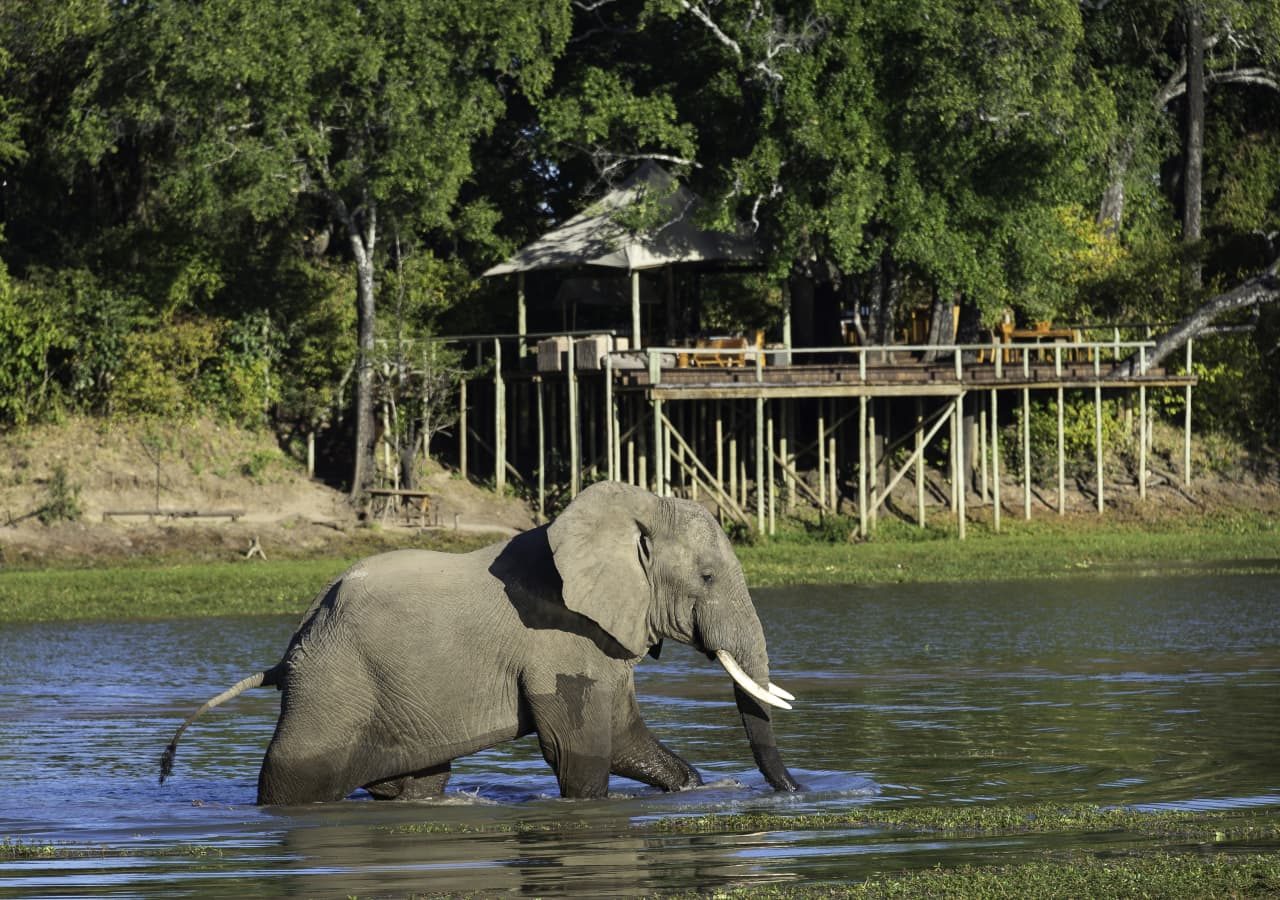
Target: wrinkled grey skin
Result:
[414, 658]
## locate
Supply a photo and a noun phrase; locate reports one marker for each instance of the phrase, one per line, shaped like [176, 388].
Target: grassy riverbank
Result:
[1238, 541]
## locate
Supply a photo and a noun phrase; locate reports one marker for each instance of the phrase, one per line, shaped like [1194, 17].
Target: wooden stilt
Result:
[540, 389]
[575, 432]
[1026, 453]
[499, 421]
[1062, 457]
[863, 455]
[462, 427]
[962, 469]
[995, 459]
[920, 517]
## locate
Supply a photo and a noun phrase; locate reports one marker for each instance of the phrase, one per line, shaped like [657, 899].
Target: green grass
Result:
[1041, 548]
[172, 591]
[898, 552]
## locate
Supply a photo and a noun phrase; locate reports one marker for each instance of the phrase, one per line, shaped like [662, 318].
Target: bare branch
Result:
[704, 17]
[1262, 288]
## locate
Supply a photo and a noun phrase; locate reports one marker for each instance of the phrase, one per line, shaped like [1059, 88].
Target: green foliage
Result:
[62, 503]
[1079, 432]
[31, 330]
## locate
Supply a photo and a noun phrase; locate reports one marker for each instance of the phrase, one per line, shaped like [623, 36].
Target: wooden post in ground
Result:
[655, 373]
[462, 427]
[773, 522]
[1186, 428]
[575, 432]
[1026, 453]
[610, 419]
[863, 530]
[873, 463]
[521, 315]
[995, 459]
[920, 519]
[961, 467]
[542, 451]
[822, 455]
[499, 421]
[1062, 456]
[760, 450]
[1097, 425]
[832, 492]
[719, 435]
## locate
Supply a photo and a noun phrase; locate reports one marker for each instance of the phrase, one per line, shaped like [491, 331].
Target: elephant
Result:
[414, 658]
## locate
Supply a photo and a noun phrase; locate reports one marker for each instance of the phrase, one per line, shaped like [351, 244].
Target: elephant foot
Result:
[426, 784]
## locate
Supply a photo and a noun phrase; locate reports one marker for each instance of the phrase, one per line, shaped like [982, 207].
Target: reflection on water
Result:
[1157, 693]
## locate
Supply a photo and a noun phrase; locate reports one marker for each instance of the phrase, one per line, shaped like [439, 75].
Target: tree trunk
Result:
[363, 240]
[1193, 156]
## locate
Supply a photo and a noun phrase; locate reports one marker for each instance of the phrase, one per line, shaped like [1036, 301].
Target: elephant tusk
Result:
[746, 682]
[779, 692]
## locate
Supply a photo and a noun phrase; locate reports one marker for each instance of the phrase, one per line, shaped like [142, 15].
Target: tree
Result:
[359, 115]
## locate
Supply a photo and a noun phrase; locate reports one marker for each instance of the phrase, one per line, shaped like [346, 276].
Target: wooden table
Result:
[1041, 334]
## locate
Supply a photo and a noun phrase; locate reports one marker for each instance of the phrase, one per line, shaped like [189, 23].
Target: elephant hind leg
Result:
[425, 784]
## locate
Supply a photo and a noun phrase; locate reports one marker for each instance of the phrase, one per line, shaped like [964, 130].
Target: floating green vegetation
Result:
[1071, 876]
[1241, 825]
[16, 848]
[1043, 818]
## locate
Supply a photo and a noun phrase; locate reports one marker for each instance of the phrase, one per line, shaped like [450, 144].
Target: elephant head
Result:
[644, 568]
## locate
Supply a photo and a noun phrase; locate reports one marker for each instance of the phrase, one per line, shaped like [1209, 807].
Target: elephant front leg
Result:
[574, 728]
[638, 755]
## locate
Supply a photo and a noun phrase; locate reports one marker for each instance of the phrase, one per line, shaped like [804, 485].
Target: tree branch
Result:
[1261, 288]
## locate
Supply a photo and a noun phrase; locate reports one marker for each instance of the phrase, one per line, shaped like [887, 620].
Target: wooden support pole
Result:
[1026, 453]
[788, 442]
[822, 456]
[635, 310]
[953, 463]
[611, 420]
[1097, 435]
[1186, 428]
[961, 468]
[655, 374]
[920, 518]
[499, 420]
[760, 453]
[1062, 456]
[462, 427]
[1142, 442]
[773, 521]
[995, 460]
[542, 452]
[873, 462]
[863, 529]
[719, 417]
[575, 430]
[832, 491]
[522, 327]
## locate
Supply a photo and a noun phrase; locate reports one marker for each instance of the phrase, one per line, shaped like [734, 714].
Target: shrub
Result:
[62, 503]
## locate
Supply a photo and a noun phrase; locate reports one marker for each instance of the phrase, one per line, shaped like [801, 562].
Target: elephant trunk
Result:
[755, 719]
[737, 642]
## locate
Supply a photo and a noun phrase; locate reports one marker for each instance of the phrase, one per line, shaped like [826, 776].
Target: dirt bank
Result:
[115, 474]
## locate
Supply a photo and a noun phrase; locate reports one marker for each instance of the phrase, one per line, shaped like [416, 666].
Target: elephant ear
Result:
[603, 552]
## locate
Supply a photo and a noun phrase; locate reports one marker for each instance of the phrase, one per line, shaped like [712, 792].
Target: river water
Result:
[1158, 692]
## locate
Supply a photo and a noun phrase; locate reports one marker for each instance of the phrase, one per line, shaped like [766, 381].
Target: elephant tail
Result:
[270, 677]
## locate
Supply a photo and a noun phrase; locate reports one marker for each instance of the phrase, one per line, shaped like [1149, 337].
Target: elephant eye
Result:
[708, 578]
